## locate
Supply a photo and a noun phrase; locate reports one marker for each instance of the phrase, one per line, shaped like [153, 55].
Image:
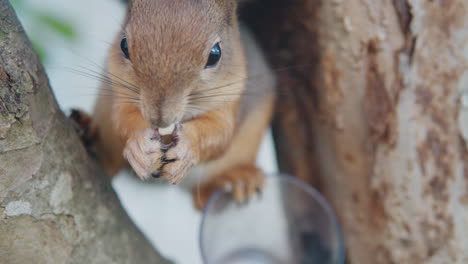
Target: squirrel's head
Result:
[180, 58]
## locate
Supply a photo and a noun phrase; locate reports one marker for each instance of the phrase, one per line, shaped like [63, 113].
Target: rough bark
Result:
[378, 120]
[55, 204]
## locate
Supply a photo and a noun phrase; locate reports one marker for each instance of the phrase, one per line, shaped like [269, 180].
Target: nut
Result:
[167, 130]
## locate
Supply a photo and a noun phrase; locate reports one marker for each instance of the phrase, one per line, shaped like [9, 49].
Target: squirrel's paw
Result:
[178, 159]
[143, 152]
[242, 181]
[82, 124]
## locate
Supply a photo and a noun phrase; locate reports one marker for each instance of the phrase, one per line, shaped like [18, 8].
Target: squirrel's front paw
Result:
[143, 152]
[179, 158]
[82, 124]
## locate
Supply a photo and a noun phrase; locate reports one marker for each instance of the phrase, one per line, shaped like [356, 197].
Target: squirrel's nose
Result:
[162, 122]
[162, 113]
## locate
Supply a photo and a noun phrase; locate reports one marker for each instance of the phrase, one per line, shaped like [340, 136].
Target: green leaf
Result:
[59, 25]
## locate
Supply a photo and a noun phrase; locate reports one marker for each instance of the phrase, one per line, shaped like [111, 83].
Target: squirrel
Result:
[191, 66]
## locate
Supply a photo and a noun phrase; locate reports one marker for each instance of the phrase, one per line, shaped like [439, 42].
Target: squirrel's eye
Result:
[215, 56]
[124, 47]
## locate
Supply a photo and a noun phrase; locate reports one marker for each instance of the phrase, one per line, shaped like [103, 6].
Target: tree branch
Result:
[56, 205]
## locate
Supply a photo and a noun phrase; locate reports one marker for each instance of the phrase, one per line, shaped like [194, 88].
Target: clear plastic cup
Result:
[288, 223]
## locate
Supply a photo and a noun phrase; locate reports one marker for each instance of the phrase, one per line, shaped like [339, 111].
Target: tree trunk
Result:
[379, 121]
[55, 204]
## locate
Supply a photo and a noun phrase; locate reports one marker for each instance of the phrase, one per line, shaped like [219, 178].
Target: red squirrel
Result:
[186, 64]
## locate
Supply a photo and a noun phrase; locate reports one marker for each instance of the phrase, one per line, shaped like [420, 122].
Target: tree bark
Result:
[378, 120]
[56, 206]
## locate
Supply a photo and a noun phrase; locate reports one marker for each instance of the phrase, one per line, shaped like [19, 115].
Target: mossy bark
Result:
[56, 205]
[375, 114]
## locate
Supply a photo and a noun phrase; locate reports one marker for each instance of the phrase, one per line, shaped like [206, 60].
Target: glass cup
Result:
[288, 223]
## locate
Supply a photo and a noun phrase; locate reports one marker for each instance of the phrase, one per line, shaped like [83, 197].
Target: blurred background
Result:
[72, 38]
